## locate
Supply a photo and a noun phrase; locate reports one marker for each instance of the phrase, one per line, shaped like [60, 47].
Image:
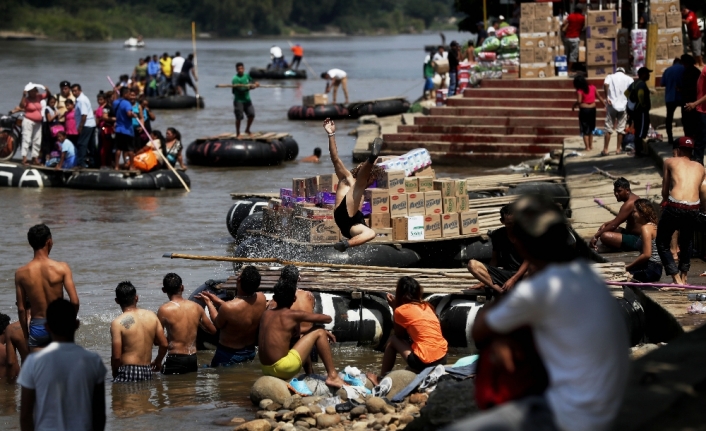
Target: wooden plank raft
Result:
[442, 281]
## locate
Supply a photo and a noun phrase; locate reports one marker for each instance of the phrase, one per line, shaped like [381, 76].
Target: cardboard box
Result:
[268, 220]
[449, 205]
[662, 51]
[383, 235]
[446, 187]
[408, 228]
[392, 180]
[660, 19]
[316, 213]
[534, 40]
[411, 185]
[664, 7]
[674, 20]
[379, 200]
[312, 186]
[398, 205]
[543, 10]
[526, 25]
[600, 44]
[675, 51]
[328, 183]
[670, 36]
[661, 66]
[432, 203]
[426, 184]
[582, 54]
[462, 203]
[597, 58]
[526, 11]
[536, 70]
[316, 231]
[299, 187]
[542, 25]
[426, 172]
[602, 31]
[380, 221]
[511, 74]
[460, 188]
[600, 71]
[527, 55]
[601, 17]
[449, 225]
[543, 55]
[415, 204]
[315, 99]
[468, 223]
[432, 226]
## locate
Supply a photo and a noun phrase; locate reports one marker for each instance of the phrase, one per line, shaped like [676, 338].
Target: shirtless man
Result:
[238, 319]
[4, 366]
[610, 233]
[280, 326]
[350, 192]
[314, 158]
[39, 283]
[182, 319]
[15, 343]
[133, 334]
[681, 184]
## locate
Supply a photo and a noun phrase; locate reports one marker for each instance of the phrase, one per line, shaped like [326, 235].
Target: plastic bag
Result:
[505, 31]
[487, 56]
[511, 41]
[146, 161]
[491, 44]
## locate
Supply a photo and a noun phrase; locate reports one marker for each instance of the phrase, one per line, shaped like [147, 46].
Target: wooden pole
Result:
[651, 56]
[169, 165]
[261, 86]
[196, 63]
[485, 15]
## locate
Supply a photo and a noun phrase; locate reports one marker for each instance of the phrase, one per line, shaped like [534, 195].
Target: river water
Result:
[107, 237]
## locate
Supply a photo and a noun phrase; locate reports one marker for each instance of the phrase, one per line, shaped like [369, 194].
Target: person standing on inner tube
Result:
[350, 192]
[242, 84]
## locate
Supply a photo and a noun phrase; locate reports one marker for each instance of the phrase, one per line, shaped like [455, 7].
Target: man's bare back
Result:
[133, 334]
[238, 319]
[182, 318]
[683, 179]
[702, 195]
[631, 225]
[15, 343]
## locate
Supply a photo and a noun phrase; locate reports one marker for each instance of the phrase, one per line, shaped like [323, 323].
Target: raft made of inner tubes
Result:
[16, 175]
[319, 112]
[259, 73]
[240, 210]
[380, 107]
[228, 150]
[175, 102]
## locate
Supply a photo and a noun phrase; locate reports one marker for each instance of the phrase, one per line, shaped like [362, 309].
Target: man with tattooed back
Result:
[133, 333]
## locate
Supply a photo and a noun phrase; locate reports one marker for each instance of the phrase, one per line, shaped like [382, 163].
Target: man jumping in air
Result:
[350, 192]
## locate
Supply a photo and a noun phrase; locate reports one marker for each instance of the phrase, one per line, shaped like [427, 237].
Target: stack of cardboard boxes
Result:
[667, 15]
[540, 40]
[601, 42]
[420, 207]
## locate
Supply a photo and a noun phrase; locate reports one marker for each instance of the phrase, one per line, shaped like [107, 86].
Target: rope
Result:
[683, 286]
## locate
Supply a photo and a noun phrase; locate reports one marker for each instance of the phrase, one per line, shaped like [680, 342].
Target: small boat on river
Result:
[260, 149]
[134, 42]
[17, 175]
[175, 102]
[260, 73]
[379, 107]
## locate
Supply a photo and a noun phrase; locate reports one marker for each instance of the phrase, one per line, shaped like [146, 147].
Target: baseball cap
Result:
[536, 214]
[64, 84]
[686, 142]
[642, 70]
[620, 69]
[480, 23]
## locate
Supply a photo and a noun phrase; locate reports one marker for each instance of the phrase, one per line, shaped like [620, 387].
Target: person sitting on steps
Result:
[350, 192]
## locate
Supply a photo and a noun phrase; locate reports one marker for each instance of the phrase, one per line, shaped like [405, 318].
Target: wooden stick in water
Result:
[247, 85]
[196, 62]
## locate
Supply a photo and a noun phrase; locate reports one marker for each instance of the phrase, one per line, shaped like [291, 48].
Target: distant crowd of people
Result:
[162, 76]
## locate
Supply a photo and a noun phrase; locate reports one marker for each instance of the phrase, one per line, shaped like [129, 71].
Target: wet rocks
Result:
[256, 425]
[400, 380]
[327, 420]
[271, 388]
[375, 404]
[450, 401]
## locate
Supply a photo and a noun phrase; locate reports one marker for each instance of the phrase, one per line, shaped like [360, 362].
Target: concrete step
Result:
[550, 83]
[472, 138]
[524, 93]
[495, 111]
[500, 120]
[491, 130]
[462, 148]
[511, 103]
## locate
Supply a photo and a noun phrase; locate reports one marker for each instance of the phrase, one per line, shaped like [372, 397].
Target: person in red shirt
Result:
[700, 107]
[692, 29]
[572, 28]
[298, 52]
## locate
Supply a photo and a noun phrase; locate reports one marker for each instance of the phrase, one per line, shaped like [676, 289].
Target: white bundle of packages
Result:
[410, 162]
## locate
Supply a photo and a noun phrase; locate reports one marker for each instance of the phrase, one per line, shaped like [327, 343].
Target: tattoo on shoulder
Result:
[127, 322]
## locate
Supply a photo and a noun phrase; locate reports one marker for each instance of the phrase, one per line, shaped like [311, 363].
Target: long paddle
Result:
[262, 86]
[313, 74]
[139, 120]
[196, 68]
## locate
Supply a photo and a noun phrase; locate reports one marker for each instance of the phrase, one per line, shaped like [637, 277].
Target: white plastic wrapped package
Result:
[410, 162]
[505, 31]
[487, 56]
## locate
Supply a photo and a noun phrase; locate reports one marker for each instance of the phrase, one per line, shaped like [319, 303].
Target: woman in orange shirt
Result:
[417, 336]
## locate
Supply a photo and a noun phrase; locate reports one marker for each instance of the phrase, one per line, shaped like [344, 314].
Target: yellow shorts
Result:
[285, 368]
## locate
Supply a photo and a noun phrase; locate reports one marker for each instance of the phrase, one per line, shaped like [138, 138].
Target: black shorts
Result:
[499, 275]
[243, 107]
[180, 364]
[587, 120]
[124, 142]
[417, 365]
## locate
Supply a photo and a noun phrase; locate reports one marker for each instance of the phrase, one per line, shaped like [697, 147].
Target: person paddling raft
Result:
[242, 84]
[350, 192]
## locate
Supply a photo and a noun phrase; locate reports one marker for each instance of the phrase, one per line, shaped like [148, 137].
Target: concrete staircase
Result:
[500, 121]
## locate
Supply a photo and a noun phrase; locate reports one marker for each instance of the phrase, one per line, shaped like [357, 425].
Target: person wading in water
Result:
[350, 192]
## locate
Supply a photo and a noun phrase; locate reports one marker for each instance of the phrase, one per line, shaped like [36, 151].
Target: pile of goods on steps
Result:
[540, 40]
[498, 57]
[407, 203]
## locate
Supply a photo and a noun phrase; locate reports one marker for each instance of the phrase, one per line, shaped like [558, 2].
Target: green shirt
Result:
[241, 94]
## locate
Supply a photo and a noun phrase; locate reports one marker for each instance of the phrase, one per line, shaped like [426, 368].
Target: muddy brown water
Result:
[110, 237]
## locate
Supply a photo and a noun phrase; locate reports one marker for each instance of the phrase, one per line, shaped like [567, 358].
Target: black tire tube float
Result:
[241, 210]
[175, 102]
[319, 112]
[291, 148]
[108, 179]
[259, 73]
[380, 108]
[15, 175]
[251, 223]
[235, 152]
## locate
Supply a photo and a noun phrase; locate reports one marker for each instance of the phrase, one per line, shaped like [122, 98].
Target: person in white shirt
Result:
[177, 64]
[86, 127]
[278, 61]
[63, 386]
[579, 332]
[335, 78]
[614, 87]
